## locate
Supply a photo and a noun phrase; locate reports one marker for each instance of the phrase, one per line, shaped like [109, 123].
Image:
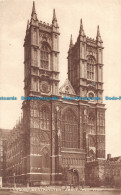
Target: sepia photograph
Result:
[60, 97]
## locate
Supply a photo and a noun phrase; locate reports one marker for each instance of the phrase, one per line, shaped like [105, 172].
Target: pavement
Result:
[51, 190]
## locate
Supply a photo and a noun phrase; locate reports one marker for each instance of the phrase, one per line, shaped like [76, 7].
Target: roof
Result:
[117, 159]
[67, 89]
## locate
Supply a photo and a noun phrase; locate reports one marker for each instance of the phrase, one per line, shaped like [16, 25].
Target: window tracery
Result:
[44, 55]
[69, 130]
[90, 68]
[44, 118]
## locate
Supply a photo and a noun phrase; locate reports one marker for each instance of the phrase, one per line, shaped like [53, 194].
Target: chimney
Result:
[108, 156]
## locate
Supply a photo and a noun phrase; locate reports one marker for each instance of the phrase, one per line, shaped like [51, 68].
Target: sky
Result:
[107, 14]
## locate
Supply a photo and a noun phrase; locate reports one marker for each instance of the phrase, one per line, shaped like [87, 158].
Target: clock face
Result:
[91, 95]
[44, 87]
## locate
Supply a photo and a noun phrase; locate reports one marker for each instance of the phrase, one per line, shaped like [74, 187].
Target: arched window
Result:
[35, 85]
[69, 130]
[44, 55]
[35, 62]
[91, 124]
[44, 118]
[90, 68]
[35, 36]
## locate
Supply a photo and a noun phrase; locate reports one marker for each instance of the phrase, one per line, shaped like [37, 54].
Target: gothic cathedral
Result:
[61, 136]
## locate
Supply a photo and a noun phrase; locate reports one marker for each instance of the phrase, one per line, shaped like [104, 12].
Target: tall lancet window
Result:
[44, 118]
[35, 36]
[90, 68]
[44, 55]
[91, 123]
[69, 130]
[35, 62]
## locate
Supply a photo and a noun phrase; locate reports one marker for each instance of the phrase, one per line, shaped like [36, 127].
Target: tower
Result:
[41, 48]
[41, 73]
[85, 65]
[85, 73]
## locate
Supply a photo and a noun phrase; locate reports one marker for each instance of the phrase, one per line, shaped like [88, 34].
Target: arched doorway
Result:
[75, 178]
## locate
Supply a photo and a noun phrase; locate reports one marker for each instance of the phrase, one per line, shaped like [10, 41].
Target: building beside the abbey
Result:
[59, 141]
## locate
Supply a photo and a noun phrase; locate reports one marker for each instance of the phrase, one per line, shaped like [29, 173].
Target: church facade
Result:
[60, 136]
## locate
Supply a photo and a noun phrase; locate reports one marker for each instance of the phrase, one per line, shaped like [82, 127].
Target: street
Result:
[59, 191]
